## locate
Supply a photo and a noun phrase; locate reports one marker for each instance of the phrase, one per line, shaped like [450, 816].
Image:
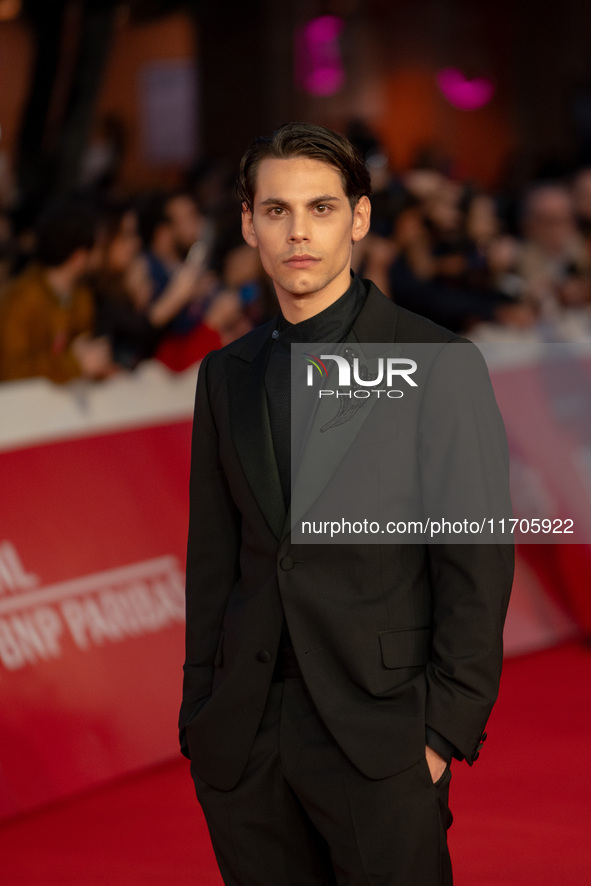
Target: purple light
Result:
[324, 29]
[468, 95]
[318, 63]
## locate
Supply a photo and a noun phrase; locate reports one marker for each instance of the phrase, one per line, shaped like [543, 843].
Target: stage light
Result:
[318, 64]
[468, 95]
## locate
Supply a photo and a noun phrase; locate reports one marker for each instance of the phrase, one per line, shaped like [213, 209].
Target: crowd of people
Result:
[95, 283]
[98, 284]
[506, 267]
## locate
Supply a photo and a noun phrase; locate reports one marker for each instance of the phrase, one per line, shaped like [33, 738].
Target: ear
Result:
[361, 217]
[248, 231]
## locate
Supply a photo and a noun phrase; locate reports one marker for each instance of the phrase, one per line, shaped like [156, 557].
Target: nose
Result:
[298, 228]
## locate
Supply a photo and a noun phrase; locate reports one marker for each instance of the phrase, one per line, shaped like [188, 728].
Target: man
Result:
[187, 224]
[326, 688]
[554, 261]
[47, 313]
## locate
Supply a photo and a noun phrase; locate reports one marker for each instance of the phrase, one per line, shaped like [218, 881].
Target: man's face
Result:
[185, 220]
[304, 228]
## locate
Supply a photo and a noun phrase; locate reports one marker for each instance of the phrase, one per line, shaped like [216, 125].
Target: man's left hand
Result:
[435, 763]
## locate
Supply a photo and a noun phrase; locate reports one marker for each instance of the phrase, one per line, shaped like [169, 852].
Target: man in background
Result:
[47, 313]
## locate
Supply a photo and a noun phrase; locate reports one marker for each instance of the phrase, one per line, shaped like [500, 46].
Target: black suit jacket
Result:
[390, 638]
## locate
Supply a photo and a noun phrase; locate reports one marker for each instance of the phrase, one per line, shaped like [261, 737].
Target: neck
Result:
[297, 308]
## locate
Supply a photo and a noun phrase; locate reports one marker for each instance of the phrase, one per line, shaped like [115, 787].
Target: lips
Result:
[301, 262]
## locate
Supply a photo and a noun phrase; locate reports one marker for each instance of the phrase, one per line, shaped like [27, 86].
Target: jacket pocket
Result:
[406, 649]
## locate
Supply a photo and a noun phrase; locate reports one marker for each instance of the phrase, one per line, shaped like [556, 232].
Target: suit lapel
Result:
[252, 432]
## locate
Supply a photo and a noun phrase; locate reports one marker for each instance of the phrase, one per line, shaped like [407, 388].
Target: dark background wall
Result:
[538, 54]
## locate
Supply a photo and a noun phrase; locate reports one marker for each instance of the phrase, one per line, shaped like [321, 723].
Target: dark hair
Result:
[62, 229]
[110, 215]
[151, 216]
[305, 140]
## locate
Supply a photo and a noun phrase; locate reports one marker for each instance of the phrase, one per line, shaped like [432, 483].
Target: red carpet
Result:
[521, 813]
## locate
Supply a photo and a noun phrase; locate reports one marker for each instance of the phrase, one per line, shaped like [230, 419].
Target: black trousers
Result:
[303, 815]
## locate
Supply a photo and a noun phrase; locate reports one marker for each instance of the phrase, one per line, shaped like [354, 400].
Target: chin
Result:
[301, 287]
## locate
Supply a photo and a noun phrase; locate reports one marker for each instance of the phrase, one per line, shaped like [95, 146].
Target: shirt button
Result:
[287, 564]
[264, 656]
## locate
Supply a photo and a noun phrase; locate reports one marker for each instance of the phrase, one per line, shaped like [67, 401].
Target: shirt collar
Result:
[330, 325]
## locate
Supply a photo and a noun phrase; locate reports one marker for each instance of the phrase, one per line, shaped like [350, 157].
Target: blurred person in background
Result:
[165, 261]
[240, 270]
[492, 262]
[429, 264]
[581, 194]
[159, 252]
[46, 312]
[135, 308]
[228, 293]
[177, 245]
[555, 261]
[211, 182]
[189, 226]
[121, 297]
[481, 227]
[437, 247]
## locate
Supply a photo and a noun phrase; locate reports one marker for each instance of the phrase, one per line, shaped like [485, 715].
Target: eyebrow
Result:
[277, 201]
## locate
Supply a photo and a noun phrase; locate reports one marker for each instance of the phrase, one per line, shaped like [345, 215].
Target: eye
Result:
[322, 208]
[276, 210]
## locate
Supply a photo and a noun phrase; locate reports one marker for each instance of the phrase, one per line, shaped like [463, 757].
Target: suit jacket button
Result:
[483, 737]
[264, 656]
[475, 756]
[286, 564]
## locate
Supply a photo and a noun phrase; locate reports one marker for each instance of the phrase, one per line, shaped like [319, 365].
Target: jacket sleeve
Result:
[212, 553]
[465, 475]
